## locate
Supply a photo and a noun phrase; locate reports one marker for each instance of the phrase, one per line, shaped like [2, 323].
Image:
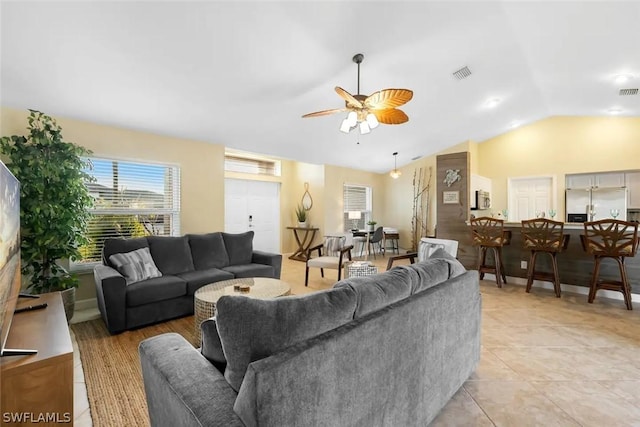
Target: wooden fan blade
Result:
[391, 116]
[351, 100]
[388, 98]
[324, 112]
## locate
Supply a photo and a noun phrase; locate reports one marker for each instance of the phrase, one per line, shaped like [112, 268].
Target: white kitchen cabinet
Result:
[609, 179]
[633, 189]
[600, 180]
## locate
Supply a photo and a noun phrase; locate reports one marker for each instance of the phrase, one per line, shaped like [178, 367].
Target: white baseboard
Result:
[583, 290]
[86, 304]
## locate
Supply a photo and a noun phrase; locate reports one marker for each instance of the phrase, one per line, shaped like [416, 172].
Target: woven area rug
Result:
[112, 369]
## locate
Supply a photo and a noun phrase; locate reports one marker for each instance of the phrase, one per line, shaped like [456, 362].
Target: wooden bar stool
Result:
[610, 238]
[488, 233]
[542, 235]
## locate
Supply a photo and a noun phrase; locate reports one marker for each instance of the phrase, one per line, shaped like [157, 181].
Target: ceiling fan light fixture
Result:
[372, 121]
[352, 118]
[345, 127]
[364, 128]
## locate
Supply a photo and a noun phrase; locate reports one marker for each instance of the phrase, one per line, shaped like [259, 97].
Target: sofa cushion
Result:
[135, 265]
[117, 246]
[251, 270]
[154, 290]
[208, 251]
[251, 329]
[430, 273]
[198, 278]
[239, 247]
[380, 290]
[455, 267]
[172, 255]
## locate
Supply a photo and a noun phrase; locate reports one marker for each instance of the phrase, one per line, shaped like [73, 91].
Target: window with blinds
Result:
[356, 198]
[130, 200]
[255, 166]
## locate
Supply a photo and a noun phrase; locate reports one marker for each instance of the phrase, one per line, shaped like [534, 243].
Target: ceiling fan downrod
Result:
[357, 58]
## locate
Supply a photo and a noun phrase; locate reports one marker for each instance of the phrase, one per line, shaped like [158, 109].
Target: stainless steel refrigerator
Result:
[593, 204]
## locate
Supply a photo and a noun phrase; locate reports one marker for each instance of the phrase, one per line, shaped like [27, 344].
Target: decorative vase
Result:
[302, 224]
[69, 302]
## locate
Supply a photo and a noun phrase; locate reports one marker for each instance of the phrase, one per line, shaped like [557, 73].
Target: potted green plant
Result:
[301, 215]
[54, 204]
[371, 225]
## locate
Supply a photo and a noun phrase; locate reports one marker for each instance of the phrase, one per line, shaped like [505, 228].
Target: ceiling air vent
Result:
[626, 92]
[462, 73]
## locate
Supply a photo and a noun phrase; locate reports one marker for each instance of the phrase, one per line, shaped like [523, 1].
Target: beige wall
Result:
[558, 146]
[201, 167]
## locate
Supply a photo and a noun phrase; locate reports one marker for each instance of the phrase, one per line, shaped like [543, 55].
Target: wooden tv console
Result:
[38, 389]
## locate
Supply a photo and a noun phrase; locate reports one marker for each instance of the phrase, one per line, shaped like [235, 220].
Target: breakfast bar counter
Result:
[575, 265]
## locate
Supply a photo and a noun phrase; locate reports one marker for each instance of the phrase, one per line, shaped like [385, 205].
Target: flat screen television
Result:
[9, 251]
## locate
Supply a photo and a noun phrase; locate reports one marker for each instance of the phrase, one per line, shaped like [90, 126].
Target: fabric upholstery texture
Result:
[430, 272]
[333, 245]
[251, 270]
[174, 373]
[135, 265]
[208, 251]
[156, 289]
[397, 366]
[198, 278]
[455, 267]
[251, 329]
[379, 290]
[211, 344]
[324, 262]
[171, 254]
[118, 246]
[239, 247]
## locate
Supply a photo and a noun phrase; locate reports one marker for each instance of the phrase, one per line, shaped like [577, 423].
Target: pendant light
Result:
[395, 173]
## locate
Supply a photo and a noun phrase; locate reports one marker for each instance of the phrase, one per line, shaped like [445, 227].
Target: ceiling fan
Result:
[369, 111]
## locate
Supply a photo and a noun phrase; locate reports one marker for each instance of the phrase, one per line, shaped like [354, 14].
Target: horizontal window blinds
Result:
[131, 200]
[251, 165]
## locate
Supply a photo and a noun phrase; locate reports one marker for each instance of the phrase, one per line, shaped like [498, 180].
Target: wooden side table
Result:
[206, 298]
[304, 237]
[42, 383]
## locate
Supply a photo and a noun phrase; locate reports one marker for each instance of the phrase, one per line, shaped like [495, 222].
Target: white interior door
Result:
[529, 196]
[253, 205]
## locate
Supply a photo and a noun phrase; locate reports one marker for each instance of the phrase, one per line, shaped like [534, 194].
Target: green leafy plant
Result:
[54, 201]
[371, 222]
[301, 213]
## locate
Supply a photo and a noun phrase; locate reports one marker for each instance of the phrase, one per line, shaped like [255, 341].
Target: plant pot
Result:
[302, 224]
[370, 227]
[69, 302]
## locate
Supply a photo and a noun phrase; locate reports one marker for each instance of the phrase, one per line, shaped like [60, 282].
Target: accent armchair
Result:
[331, 254]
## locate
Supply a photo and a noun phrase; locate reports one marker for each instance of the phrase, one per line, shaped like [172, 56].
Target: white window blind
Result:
[131, 200]
[255, 166]
[356, 198]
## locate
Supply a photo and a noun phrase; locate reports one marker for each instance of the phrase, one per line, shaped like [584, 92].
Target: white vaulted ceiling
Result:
[243, 73]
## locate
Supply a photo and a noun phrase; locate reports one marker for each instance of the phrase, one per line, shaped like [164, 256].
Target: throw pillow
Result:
[135, 265]
[333, 245]
[251, 329]
[239, 247]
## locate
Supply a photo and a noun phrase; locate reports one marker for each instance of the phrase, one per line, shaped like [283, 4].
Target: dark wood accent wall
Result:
[452, 217]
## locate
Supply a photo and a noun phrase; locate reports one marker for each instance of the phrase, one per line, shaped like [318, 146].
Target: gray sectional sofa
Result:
[383, 350]
[185, 264]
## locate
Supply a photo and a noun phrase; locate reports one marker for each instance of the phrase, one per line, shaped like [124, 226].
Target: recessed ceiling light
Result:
[622, 78]
[492, 102]
[614, 111]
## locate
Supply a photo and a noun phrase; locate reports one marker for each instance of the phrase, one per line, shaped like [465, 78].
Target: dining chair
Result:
[376, 238]
[332, 253]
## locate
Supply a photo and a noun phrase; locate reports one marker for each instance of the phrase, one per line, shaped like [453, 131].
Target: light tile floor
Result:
[544, 361]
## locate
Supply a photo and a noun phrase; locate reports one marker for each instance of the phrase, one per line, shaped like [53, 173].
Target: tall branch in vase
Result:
[420, 218]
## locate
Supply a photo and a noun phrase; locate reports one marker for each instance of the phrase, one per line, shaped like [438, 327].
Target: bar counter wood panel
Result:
[41, 383]
[574, 265]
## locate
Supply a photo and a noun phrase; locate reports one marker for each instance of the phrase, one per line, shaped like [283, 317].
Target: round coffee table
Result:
[206, 297]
